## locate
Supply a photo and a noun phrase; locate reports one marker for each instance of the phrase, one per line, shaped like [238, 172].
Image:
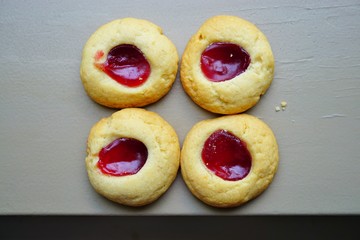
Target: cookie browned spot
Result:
[133, 156]
[227, 65]
[229, 160]
[128, 63]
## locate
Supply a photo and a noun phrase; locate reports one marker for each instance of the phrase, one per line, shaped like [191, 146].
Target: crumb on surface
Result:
[277, 108]
[283, 104]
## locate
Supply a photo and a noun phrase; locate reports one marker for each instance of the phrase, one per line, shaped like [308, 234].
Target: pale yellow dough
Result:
[160, 169]
[159, 51]
[215, 191]
[243, 91]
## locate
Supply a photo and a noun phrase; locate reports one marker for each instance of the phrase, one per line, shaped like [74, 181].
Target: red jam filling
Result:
[224, 61]
[126, 64]
[226, 155]
[124, 156]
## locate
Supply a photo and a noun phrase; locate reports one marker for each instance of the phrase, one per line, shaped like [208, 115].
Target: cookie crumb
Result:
[283, 105]
[277, 108]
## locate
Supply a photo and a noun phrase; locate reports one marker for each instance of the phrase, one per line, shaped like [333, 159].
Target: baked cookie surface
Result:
[132, 156]
[227, 65]
[128, 63]
[229, 160]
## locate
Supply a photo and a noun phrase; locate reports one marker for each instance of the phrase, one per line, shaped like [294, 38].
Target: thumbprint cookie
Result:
[132, 156]
[128, 63]
[227, 65]
[229, 160]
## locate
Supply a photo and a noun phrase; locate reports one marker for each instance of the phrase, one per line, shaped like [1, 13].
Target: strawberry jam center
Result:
[124, 156]
[226, 155]
[126, 64]
[224, 61]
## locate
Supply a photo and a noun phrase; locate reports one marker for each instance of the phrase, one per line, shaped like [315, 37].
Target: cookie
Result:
[128, 63]
[227, 65]
[132, 156]
[229, 160]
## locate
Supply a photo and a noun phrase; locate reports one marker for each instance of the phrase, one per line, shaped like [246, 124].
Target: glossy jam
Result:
[124, 156]
[224, 61]
[226, 155]
[126, 64]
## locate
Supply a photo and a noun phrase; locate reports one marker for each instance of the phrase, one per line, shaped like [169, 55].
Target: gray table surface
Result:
[45, 115]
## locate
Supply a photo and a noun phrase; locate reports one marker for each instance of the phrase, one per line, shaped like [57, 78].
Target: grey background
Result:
[45, 115]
